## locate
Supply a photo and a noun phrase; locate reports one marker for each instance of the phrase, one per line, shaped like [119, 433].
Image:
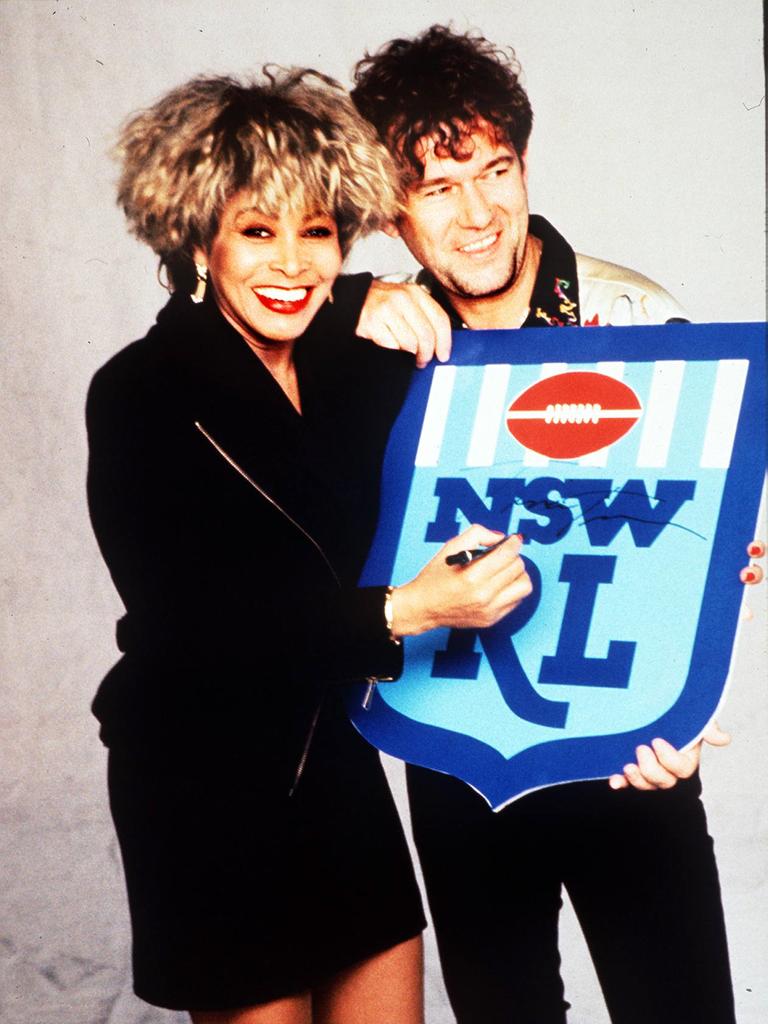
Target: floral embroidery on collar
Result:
[566, 307]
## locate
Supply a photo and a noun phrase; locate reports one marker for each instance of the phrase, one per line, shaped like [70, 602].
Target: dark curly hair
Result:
[440, 84]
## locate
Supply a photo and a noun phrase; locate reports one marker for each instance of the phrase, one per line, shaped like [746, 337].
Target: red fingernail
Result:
[749, 576]
[755, 550]
[521, 537]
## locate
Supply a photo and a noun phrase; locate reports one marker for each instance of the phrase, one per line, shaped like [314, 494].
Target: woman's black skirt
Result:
[240, 894]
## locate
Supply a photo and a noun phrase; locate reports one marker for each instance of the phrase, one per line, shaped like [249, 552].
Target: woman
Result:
[233, 488]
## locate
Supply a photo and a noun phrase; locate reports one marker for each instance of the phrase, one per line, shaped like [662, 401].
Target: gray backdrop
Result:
[647, 150]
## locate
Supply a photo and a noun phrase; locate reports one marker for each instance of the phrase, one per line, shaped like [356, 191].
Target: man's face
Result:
[467, 220]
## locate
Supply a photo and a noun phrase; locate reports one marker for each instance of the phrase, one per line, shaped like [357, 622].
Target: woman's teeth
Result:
[283, 294]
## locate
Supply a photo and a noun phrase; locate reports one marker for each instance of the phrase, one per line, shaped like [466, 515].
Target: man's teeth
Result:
[482, 243]
[283, 294]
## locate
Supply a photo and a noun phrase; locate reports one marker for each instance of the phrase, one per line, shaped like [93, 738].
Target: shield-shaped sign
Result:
[632, 461]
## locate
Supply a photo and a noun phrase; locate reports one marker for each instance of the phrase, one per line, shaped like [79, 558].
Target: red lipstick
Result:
[288, 305]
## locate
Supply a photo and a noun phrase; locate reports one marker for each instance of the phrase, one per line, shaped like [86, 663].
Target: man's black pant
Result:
[639, 869]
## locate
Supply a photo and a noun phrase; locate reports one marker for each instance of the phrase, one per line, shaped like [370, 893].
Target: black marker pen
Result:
[471, 554]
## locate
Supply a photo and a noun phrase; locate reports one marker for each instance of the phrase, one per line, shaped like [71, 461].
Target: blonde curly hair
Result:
[292, 139]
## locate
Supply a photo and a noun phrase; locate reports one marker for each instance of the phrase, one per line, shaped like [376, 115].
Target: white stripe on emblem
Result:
[600, 457]
[724, 413]
[491, 406]
[660, 413]
[547, 370]
[435, 416]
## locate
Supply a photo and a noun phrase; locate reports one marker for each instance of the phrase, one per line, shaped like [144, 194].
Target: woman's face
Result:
[271, 274]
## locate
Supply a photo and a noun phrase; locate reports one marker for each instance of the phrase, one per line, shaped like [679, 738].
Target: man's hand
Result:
[660, 765]
[406, 317]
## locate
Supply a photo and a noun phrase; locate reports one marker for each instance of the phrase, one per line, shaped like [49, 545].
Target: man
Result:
[638, 865]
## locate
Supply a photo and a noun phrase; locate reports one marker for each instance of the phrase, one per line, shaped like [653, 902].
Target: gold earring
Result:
[202, 280]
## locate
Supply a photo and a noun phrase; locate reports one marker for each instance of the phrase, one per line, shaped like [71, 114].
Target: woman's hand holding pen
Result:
[472, 596]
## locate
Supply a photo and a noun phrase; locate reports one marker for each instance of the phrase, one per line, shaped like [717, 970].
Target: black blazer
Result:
[235, 620]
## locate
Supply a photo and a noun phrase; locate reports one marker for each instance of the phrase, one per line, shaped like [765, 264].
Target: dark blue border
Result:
[564, 760]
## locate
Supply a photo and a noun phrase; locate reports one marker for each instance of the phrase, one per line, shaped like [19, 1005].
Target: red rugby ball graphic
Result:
[572, 414]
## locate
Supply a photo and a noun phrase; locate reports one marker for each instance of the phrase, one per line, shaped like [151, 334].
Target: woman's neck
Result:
[278, 359]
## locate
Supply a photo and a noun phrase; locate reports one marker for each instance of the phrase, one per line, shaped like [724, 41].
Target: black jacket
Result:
[235, 621]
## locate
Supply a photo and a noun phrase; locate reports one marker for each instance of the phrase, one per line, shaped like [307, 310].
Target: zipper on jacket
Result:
[268, 497]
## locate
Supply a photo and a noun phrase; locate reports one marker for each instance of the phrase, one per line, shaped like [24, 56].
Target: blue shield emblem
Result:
[632, 461]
